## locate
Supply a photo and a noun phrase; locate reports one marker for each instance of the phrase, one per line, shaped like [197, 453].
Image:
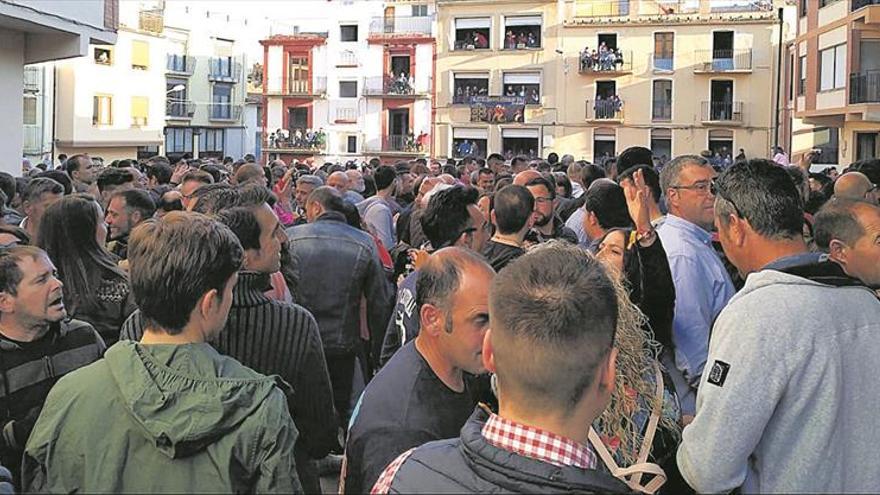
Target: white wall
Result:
[11, 107]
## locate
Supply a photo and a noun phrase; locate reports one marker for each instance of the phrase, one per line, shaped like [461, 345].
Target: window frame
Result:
[348, 82]
[147, 54]
[672, 53]
[836, 84]
[96, 109]
[110, 55]
[342, 28]
[654, 82]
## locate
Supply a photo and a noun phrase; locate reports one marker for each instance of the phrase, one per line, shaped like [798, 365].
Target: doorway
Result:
[398, 128]
[721, 104]
[400, 65]
[866, 145]
[722, 50]
[297, 118]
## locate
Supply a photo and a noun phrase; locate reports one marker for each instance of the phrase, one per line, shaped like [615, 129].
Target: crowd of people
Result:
[521, 38]
[605, 59]
[607, 107]
[463, 325]
[298, 138]
[402, 84]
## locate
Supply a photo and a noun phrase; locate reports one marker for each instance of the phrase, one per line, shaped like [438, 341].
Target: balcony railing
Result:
[347, 58]
[610, 62]
[182, 109]
[401, 25]
[298, 87]
[858, 4]
[345, 113]
[224, 69]
[626, 8]
[32, 78]
[224, 111]
[864, 87]
[723, 111]
[710, 61]
[33, 139]
[400, 87]
[297, 140]
[151, 21]
[402, 144]
[605, 110]
[180, 64]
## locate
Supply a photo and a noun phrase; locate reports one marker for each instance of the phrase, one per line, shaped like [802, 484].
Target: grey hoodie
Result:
[789, 398]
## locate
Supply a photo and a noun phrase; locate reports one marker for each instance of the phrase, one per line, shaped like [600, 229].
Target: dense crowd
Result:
[474, 325]
[604, 58]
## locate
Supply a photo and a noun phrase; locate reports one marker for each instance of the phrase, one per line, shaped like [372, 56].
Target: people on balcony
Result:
[530, 94]
[604, 59]
[607, 107]
[404, 84]
[299, 138]
[464, 93]
[520, 39]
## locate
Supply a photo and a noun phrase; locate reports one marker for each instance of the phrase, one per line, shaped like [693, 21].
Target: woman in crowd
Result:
[96, 290]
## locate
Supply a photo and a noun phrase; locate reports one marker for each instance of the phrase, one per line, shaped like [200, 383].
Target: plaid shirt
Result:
[526, 441]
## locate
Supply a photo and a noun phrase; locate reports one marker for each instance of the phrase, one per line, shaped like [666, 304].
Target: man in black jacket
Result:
[551, 347]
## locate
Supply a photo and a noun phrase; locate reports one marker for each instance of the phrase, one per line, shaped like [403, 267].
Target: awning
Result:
[523, 78]
[473, 23]
[466, 133]
[519, 133]
[523, 20]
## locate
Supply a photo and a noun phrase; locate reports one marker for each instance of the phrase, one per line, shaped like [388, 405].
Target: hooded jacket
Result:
[163, 418]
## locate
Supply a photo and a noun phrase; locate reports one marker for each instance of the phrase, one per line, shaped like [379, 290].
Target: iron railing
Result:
[402, 144]
[184, 109]
[612, 61]
[401, 25]
[723, 60]
[722, 111]
[345, 113]
[395, 86]
[605, 109]
[180, 64]
[864, 87]
[347, 58]
[224, 111]
[224, 69]
[297, 139]
[315, 86]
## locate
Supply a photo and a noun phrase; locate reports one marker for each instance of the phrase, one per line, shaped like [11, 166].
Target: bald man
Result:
[251, 173]
[525, 177]
[855, 185]
[341, 182]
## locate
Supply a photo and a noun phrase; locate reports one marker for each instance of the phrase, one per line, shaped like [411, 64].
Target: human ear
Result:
[431, 318]
[838, 251]
[488, 352]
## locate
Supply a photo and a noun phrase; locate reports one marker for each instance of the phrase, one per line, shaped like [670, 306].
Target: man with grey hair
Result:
[340, 181]
[356, 181]
[304, 186]
[702, 284]
[36, 197]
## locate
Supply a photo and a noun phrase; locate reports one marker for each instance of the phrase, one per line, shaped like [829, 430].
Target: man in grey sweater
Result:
[789, 397]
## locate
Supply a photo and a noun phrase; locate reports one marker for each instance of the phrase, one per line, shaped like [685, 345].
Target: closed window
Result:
[419, 10]
[802, 75]
[664, 51]
[139, 110]
[832, 68]
[348, 32]
[212, 140]
[102, 110]
[178, 140]
[30, 110]
[348, 89]
[351, 144]
[140, 55]
[662, 102]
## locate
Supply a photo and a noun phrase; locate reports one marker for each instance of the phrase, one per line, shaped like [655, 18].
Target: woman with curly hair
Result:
[96, 290]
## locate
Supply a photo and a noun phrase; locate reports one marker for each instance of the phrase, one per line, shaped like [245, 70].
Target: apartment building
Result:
[31, 33]
[836, 60]
[110, 103]
[356, 83]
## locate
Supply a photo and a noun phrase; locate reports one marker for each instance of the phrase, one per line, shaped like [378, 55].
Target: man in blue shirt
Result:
[702, 285]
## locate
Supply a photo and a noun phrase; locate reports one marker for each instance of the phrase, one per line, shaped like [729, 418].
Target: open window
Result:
[469, 142]
[472, 33]
[103, 55]
[467, 86]
[516, 142]
[522, 32]
[526, 85]
[604, 144]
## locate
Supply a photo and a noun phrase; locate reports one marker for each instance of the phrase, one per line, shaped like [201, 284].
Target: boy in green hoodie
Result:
[168, 413]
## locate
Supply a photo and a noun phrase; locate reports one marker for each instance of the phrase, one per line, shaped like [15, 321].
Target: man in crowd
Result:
[356, 181]
[551, 347]
[185, 417]
[83, 173]
[37, 196]
[855, 185]
[38, 344]
[849, 230]
[495, 163]
[339, 181]
[10, 215]
[547, 225]
[512, 217]
[190, 183]
[159, 174]
[652, 180]
[605, 208]
[518, 164]
[806, 338]
[485, 180]
[451, 218]
[423, 393]
[127, 210]
[702, 285]
[112, 180]
[251, 173]
[376, 211]
[340, 265]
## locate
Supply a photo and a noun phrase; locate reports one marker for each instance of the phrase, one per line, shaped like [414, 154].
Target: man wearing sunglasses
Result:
[702, 285]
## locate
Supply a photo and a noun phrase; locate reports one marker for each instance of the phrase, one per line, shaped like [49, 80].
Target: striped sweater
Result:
[276, 338]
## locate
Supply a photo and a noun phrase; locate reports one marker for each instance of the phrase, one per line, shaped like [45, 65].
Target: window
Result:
[348, 89]
[525, 85]
[469, 142]
[827, 141]
[662, 100]
[351, 144]
[348, 32]
[419, 10]
[102, 110]
[30, 110]
[145, 152]
[178, 140]
[522, 32]
[516, 142]
[802, 75]
[802, 8]
[604, 143]
[140, 108]
[212, 140]
[823, 3]
[140, 55]
[103, 56]
[866, 145]
[298, 74]
[472, 34]
[661, 144]
[222, 101]
[832, 68]
[467, 86]
[664, 53]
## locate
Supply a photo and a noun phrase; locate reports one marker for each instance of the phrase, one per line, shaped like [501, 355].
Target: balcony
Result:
[347, 58]
[32, 79]
[404, 145]
[180, 64]
[301, 141]
[179, 109]
[400, 25]
[722, 112]
[599, 11]
[345, 113]
[224, 111]
[608, 64]
[864, 87]
[389, 87]
[859, 4]
[606, 110]
[315, 87]
[151, 21]
[224, 69]
[723, 61]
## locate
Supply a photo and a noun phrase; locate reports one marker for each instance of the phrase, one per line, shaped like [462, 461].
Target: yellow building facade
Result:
[675, 76]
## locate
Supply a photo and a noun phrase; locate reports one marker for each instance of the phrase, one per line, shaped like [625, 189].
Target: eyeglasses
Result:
[717, 191]
[700, 187]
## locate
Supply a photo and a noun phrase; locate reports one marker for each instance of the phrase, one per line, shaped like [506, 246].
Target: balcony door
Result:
[400, 65]
[721, 104]
[297, 118]
[398, 128]
[722, 50]
[299, 74]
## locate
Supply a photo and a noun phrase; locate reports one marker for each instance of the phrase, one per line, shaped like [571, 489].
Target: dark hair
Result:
[495, 157]
[446, 216]
[607, 201]
[838, 219]
[384, 177]
[40, 186]
[137, 200]
[451, 170]
[554, 314]
[175, 261]
[110, 177]
[214, 198]
[590, 173]
[763, 193]
[485, 171]
[513, 207]
[7, 185]
[870, 167]
[166, 204]
[197, 175]
[10, 272]
[634, 156]
[543, 181]
[18, 232]
[244, 224]
[73, 163]
[247, 172]
[562, 180]
[518, 159]
[67, 234]
[652, 179]
[352, 215]
[59, 177]
[161, 171]
[552, 158]
[440, 278]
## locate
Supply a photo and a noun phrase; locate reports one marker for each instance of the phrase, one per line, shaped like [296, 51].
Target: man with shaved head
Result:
[341, 182]
[251, 173]
[425, 391]
[855, 185]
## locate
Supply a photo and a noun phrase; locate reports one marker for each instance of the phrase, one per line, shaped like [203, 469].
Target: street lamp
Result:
[175, 89]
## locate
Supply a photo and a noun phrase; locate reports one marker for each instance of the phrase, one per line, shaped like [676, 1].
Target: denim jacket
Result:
[336, 267]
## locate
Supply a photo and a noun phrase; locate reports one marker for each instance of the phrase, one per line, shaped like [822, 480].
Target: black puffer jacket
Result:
[469, 464]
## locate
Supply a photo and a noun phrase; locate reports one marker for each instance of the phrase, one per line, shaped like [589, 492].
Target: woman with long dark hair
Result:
[96, 290]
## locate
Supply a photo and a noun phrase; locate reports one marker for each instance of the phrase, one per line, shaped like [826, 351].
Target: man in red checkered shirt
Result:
[553, 313]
